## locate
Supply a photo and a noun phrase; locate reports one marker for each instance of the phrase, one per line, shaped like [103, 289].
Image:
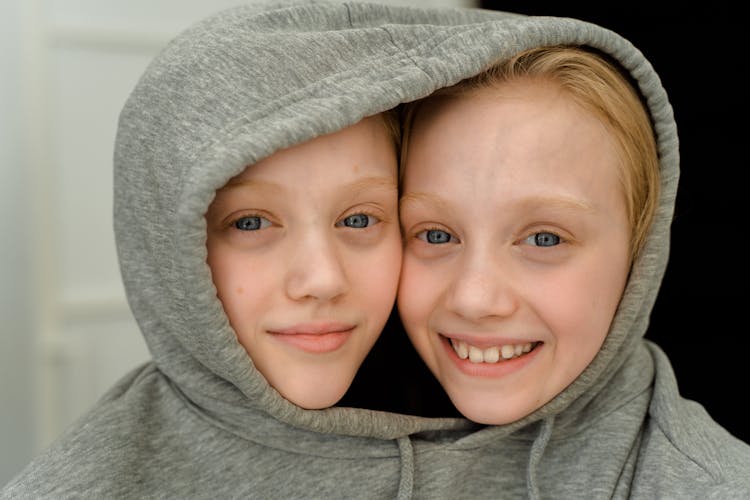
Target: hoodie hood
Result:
[242, 84]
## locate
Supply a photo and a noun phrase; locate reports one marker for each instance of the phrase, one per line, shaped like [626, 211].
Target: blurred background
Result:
[67, 66]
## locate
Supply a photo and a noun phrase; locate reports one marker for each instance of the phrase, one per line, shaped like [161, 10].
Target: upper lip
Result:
[485, 340]
[314, 328]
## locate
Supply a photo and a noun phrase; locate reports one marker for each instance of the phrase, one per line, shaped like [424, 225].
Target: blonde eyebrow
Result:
[558, 202]
[250, 183]
[354, 187]
[378, 182]
[422, 198]
[531, 202]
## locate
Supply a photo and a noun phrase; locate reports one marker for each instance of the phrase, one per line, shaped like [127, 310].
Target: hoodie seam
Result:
[717, 479]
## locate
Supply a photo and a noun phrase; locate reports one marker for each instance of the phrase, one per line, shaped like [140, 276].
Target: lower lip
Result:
[490, 370]
[316, 343]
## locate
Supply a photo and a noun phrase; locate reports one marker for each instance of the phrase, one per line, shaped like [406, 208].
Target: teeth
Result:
[508, 351]
[462, 349]
[490, 354]
[475, 354]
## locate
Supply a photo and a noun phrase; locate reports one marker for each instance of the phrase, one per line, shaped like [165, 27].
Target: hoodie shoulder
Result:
[91, 457]
[685, 453]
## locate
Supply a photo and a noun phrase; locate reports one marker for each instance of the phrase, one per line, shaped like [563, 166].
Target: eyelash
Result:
[372, 220]
[425, 232]
[531, 239]
[535, 235]
[377, 219]
[234, 224]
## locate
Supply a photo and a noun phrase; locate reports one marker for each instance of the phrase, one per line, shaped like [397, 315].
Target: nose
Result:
[481, 289]
[316, 271]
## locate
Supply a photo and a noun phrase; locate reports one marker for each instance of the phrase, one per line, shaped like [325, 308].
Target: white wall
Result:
[16, 385]
[66, 333]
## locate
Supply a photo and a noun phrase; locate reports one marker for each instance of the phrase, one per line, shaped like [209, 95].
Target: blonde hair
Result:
[392, 123]
[597, 85]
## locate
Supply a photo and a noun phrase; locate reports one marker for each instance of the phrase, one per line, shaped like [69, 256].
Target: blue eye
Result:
[435, 236]
[543, 239]
[251, 223]
[357, 221]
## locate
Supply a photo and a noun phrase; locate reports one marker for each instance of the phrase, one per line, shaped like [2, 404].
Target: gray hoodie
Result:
[199, 421]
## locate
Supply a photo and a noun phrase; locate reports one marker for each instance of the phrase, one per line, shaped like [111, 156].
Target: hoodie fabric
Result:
[200, 422]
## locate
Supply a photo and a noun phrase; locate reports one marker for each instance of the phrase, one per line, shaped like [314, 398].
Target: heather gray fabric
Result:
[200, 422]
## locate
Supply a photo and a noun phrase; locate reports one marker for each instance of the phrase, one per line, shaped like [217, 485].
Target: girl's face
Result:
[516, 250]
[305, 252]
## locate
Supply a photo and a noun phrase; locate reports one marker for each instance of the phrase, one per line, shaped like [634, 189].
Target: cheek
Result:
[580, 307]
[240, 281]
[416, 293]
[607, 284]
[376, 274]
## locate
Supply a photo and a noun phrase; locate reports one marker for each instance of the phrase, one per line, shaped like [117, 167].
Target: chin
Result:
[487, 415]
[317, 404]
[311, 400]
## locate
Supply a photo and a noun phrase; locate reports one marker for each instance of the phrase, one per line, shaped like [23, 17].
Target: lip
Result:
[315, 337]
[314, 328]
[488, 370]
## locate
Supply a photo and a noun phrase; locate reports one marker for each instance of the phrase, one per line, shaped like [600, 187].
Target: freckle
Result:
[355, 168]
[240, 290]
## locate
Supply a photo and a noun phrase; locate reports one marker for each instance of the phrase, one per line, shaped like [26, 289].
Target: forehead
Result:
[508, 104]
[525, 135]
[531, 117]
[365, 147]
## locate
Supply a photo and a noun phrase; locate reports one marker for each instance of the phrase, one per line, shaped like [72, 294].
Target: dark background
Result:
[699, 315]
